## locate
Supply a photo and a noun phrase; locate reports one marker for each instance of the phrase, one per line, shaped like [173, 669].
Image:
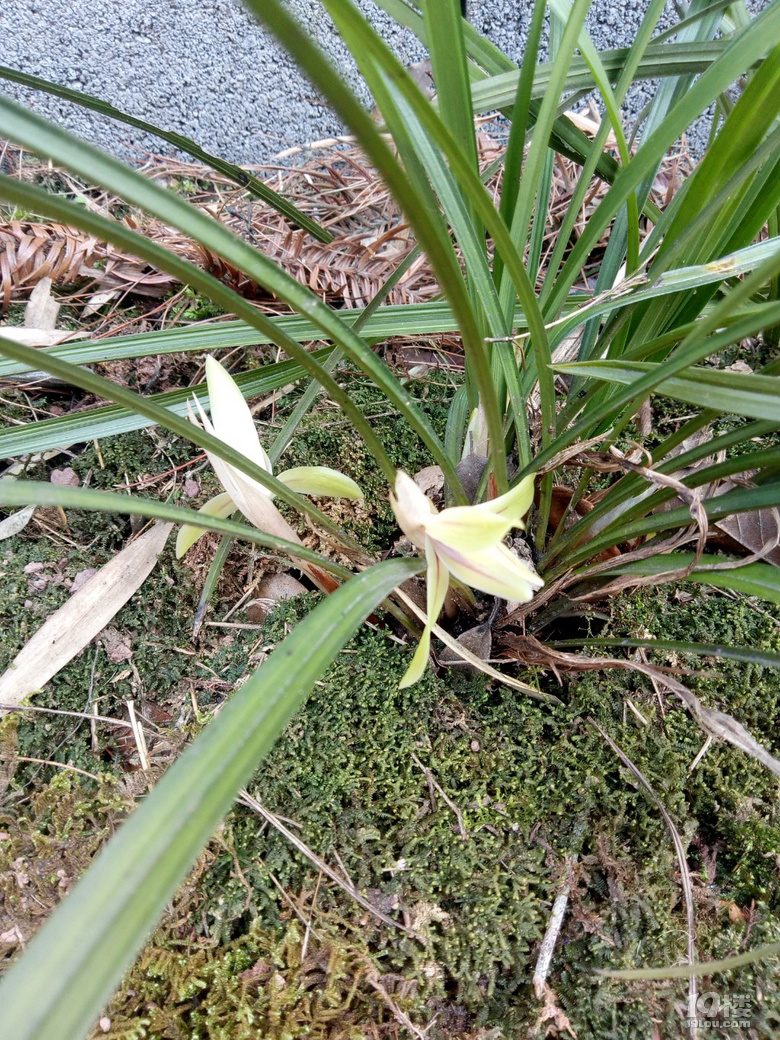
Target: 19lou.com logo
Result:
[729, 1010]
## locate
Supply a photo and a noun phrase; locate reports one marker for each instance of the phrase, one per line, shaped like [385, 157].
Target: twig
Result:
[59, 765]
[309, 929]
[291, 903]
[550, 939]
[432, 781]
[246, 799]
[547, 949]
[62, 711]
[138, 734]
[685, 877]
[400, 1015]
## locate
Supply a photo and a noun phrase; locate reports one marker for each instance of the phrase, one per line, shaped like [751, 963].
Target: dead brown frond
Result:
[336, 186]
[30, 252]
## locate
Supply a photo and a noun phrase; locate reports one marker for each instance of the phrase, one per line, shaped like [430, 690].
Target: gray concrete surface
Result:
[206, 69]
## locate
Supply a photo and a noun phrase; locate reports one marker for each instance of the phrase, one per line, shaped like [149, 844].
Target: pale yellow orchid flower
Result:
[232, 422]
[467, 543]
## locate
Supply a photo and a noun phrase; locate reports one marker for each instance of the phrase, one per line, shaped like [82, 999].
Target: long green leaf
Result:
[107, 421]
[763, 658]
[659, 60]
[58, 986]
[685, 971]
[404, 320]
[252, 184]
[742, 500]
[532, 171]
[362, 40]
[748, 47]
[168, 419]
[738, 393]
[32, 492]
[641, 288]
[753, 579]
[112, 231]
[444, 28]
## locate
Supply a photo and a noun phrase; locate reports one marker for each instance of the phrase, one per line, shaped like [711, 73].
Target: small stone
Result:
[257, 610]
[477, 640]
[82, 578]
[65, 477]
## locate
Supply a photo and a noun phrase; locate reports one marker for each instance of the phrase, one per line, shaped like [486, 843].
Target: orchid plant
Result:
[702, 275]
[463, 541]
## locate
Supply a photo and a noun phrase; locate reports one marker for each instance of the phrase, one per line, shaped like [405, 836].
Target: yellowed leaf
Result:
[86, 613]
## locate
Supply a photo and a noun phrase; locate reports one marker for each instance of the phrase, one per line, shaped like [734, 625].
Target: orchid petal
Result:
[321, 481]
[465, 543]
[220, 506]
[257, 507]
[496, 572]
[230, 415]
[412, 508]
[416, 669]
[251, 498]
[514, 504]
[463, 529]
[438, 581]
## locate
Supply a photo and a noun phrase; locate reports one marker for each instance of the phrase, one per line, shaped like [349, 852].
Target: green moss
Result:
[531, 785]
[49, 839]
[199, 308]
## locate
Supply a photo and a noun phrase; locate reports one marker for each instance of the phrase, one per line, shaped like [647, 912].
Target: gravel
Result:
[209, 71]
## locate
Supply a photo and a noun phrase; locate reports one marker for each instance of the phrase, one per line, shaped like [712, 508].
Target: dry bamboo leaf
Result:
[16, 522]
[758, 532]
[39, 337]
[77, 622]
[42, 309]
[98, 300]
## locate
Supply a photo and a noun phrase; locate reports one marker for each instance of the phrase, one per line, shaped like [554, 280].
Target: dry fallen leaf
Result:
[16, 522]
[86, 613]
[758, 532]
[81, 579]
[38, 337]
[42, 309]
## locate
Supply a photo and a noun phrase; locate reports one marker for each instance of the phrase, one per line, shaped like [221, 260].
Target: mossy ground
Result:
[452, 806]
